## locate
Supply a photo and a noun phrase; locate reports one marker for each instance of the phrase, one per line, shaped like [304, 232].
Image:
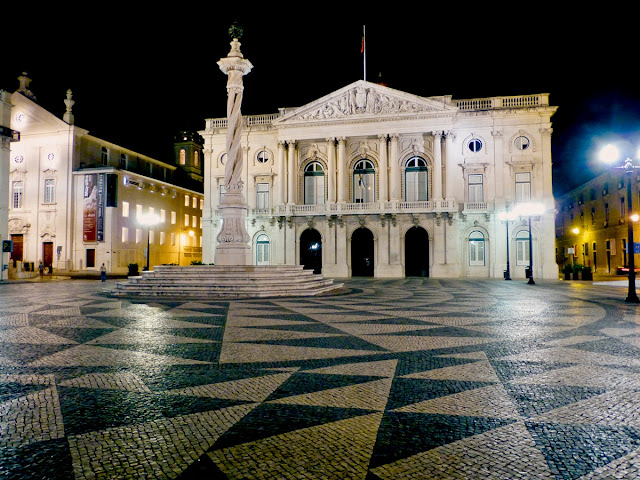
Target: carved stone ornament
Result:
[363, 98]
[233, 231]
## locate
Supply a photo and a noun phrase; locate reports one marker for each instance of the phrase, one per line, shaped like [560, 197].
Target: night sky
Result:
[139, 78]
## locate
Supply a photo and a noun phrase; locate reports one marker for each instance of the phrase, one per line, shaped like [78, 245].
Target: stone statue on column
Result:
[232, 248]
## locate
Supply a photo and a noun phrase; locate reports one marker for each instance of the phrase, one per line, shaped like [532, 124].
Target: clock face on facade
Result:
[18, 159]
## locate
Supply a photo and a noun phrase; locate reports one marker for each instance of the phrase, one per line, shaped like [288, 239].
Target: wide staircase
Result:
[225, 282]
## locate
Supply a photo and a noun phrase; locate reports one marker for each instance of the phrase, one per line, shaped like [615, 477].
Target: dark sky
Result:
[137, 79]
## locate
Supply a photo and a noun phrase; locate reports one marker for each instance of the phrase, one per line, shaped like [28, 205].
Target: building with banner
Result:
[372, 181]
[77, 201]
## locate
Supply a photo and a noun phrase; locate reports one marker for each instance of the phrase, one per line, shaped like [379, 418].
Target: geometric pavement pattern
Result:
[390, 379]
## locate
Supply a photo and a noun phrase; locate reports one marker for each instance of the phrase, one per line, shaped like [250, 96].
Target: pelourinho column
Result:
[233, 248]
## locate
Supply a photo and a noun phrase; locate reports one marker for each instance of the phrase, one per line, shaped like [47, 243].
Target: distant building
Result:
[591, 224]
[76, 201]
[7, 136]
[372, 181]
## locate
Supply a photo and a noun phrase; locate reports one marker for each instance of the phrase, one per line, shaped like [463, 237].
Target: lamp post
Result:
[148, 220]
[610, 154]
[506, 217]
[529, 209]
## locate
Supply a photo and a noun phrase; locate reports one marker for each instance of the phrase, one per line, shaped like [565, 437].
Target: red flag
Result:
[362, 47]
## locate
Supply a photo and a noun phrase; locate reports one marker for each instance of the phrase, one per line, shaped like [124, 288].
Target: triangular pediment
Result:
[363, 101]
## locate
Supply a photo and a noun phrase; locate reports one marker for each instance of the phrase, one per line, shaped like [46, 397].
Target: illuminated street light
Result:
[610, 155]
[576, 230]
[529, 209]
[506, 217]
[148, 220]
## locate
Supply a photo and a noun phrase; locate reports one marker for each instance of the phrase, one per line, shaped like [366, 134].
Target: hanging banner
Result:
[100, 208]
[90, 203]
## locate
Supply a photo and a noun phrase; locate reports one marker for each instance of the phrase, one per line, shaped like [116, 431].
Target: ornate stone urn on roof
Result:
[232, 247]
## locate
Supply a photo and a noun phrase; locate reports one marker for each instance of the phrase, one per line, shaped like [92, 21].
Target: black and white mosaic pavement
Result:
[393, 379]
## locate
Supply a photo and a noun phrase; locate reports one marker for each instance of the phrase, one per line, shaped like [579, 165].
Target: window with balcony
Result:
[314, 184]
[364, 182]
[476, 188]
[262, 196]
[415, 180]
[523, 187]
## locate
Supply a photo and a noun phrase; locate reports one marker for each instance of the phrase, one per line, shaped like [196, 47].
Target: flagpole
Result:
[364, 51]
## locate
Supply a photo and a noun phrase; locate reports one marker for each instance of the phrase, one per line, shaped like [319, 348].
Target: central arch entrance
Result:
[362, 253]
[311, 250]
[416, 252]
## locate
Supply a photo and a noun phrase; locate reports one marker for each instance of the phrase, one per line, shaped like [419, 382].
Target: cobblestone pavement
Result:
[393, 379]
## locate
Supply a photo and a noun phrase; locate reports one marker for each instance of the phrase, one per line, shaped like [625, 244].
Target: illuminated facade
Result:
[75, 201]
[371, 181]
[591, 224]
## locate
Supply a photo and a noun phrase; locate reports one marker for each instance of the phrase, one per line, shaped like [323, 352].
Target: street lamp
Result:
[610, 154]
[506, 217]
[148, 220]
[529, 209]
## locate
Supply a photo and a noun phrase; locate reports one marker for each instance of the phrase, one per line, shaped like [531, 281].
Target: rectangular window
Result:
[125, 209]
[123, 161]
[186, 200]
[186, 219]
[201, 203]
[17, 192]
[262, 196]
[162, 238]
[364, 188]
[151, 236]
[194, 221]
[49, 190]
[138, 235]
[415, 186]
[476, 193]
[173, 239]
[314, 189]
[195, 202]
[163, 215]
[138, 211]
[173, 218]
[125, 234]
[523, 187]
[522, 252]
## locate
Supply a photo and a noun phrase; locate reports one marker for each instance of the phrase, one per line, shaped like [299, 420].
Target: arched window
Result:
[476, 248]
[522, 248]
[415, 180]
[262, 250]
[364, 182]
[196, 158]
[314, 184]
[183, 156]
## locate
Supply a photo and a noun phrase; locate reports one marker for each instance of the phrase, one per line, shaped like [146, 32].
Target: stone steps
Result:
[227, 282]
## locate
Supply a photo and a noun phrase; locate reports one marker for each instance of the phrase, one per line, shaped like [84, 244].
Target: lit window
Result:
[522, 248]
[49, 190]
[522, 143]
[163, 215]
[194, 221]
[186, 200]
[138, 235]
[125, 234]
[262, 196]
[195, 202]
[151, 236]
[314, 184]
[162, 238]
[138, 210]
[196, 158]
[476, 193]
[476, 248]
[173, 218]
[173, 239]
[415, 180]
[125, 209]
[186, 219]
[523, 187]
[17, 193]
[364, 184]
[201, 203]
[183, 156]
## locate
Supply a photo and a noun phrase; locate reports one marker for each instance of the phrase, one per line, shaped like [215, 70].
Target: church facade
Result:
[372, 181]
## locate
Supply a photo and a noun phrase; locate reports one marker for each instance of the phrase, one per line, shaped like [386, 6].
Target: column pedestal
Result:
[233, 248]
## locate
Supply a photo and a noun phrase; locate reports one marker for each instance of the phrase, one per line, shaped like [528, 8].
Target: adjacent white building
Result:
[372, 181]
[76, 201]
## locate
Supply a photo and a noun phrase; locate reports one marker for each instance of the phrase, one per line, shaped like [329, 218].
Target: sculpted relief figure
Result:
[360, 100]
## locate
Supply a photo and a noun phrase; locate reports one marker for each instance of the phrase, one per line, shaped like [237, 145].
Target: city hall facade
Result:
[372, 181]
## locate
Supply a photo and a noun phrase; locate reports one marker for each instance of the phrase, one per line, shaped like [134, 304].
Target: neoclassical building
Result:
[372, 181]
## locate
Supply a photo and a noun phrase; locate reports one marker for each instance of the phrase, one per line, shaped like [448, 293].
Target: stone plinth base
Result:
[218, 281]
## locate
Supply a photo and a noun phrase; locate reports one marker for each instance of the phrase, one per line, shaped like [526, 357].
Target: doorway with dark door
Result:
[362, 253]
[16, 255]
[311, 250]
[416, 252]
[47, 255]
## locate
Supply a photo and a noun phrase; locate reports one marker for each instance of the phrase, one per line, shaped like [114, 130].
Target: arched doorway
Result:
[362, 253]
[416, 252]
[311, 250]
[263, 253]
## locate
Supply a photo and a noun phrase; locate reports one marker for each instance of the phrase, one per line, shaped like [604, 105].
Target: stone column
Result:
[384, 169]
[233, 248]
[437, 166]
[291, 174]
[331, 173]
[342, 170]
[394, 184]
[281, 171]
